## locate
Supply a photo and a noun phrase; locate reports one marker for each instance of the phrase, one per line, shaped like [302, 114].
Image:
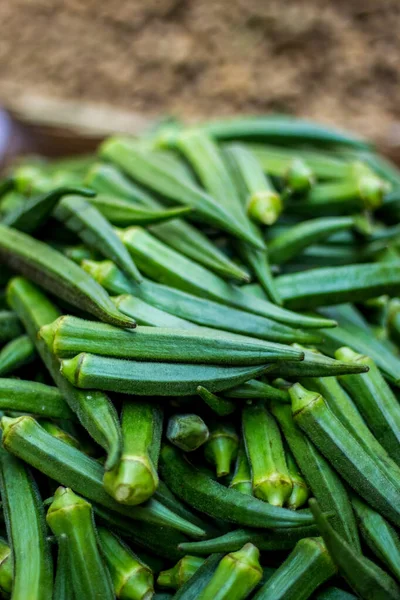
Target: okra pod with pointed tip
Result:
[131, 579]
[71, 516]
[254, 389]
[241, 480]
[188, 431]
[134, 479]
[15, 354]
[10, 327]
[180, 573]
[316, 365]
[221, 447]
[221, 406]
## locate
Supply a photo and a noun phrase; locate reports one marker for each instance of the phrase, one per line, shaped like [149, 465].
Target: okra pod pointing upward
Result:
[69, 335]
[56, 273]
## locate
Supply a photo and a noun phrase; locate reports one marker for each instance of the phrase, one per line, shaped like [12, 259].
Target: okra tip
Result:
[265, 207]
[70, 368]
[302, 398]
[47, 333]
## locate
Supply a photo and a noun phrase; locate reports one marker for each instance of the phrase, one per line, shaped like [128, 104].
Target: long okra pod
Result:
[15, 354]
[93, 409]
[367, 579]
[26, 529]
[50, 269]
[70, 516]
[270, 477]
[134, 479]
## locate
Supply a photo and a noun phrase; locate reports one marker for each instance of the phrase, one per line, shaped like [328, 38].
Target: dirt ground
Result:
[336, 61]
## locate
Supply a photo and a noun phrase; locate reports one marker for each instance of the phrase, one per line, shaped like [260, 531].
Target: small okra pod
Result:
[26, 528]
[83, 218]
[70, 467]
[71, 516]
[221, 448]
[367, 579]
[300, 491]
[375, 400]
[59, 433]
[203, 493]
[241, 480]
[316, 365]
[180, 573]
[187, 431]
[88, 371]
[306, 568]
[323, 481]
[16, 353]
[10, 327]
[258, 390]
[34, 398]
[134, 479]
[362, 472]
[379, 535]
[69, 336]
[270, 477]
[6, 569]
[236, 576]
[131, 579]
[50, 269]
[221, 406]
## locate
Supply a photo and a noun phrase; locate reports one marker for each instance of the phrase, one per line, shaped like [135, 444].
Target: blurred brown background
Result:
[335, 61]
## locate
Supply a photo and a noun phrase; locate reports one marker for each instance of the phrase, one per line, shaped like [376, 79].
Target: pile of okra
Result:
[200, 367]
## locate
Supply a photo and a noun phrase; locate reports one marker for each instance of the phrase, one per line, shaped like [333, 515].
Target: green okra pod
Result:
[177, 233]
[69, 336]
[194, 586]
[85, 220]
[379, 535]
[59, 433]
[34, 398]
[236, 575]
[134, 479]
[322, 480]
[18, 352]
[336, 285]
[270, 477]
[241, 480]
[300, 492]
[79, 252]
[316, 365]
[221, 447]
[375, 400]
[26, 529]
[58, 274]
[10, 327]
[93, 409]
[273, 539]
[90, 371]
[255, 389]
[259, 262]
[365, 578]
[6, 569]
[333, 439]
[187, 431]
[131, 579]
[180, 573]
[71, 516]
[221, 406]
[70, 467]
[208, 496]
[147, 168]
[307, 567]
[63, 585]
[146, 314]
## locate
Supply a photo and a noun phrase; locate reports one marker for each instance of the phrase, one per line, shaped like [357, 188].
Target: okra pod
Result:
[90, 371]
[357, 467]
[34, 398]
[56, 273]
[270, 477]
[71, 517]
[241, 480]
[10, 327]
[221, 406]
[365, 578]
[131, 579]
[221, 447]
[134, 479]
[194, 586]
[6, 569]
[260, 390]
[300, 492]
[24, 438]
[187, 431]
[180, 573]
[93, 409]
[259, 262]
[63, 586]
[379, 535]
[208, 496]
[18, 352]
[26, 529]
[83, 218]
[236, 575]
[322, 480]
[146, 314]
[376, 402]
[69, 336]
[307, 567]
[316, 365]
